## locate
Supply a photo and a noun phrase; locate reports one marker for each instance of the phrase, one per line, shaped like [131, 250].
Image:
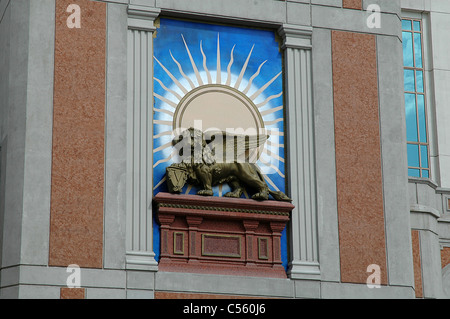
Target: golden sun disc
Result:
[218, 107]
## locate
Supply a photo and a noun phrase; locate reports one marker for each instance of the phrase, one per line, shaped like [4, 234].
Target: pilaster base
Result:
[136, 260]
[304, 270]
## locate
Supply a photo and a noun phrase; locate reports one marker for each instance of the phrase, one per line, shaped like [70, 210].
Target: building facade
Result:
[352, 95]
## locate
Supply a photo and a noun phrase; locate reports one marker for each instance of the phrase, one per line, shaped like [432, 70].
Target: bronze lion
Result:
[199, 166]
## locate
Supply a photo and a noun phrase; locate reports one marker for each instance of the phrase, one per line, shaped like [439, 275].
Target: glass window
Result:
[410, 81]
[411, 118]
[408, 49]
[417, 26]
[415, 101]
[413, 155]
[419, 79]
[418, 50]
[407, 25]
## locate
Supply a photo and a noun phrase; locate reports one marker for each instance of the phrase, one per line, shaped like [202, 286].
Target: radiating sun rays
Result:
[185, 72]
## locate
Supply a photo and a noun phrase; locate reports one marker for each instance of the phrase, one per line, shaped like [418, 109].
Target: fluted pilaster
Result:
[139, 244]
[297, 47]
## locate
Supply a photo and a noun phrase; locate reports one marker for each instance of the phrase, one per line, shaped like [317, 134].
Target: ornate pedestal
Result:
[221, 235]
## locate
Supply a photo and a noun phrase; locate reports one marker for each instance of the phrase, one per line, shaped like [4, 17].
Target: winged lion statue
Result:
[218, 157]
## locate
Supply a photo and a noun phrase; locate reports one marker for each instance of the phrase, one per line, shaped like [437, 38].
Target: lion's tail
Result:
[279, 196]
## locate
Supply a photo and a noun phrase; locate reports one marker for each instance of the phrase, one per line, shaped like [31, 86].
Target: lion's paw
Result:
[233, 194]
[260, 196]
[205, 192]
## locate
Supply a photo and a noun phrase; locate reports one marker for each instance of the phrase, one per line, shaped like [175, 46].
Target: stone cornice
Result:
[223, 204]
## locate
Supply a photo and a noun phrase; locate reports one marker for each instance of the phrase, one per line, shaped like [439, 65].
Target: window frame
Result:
[423, 19]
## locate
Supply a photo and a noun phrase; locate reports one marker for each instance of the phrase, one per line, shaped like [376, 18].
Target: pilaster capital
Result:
[296, 36]
[142, 18]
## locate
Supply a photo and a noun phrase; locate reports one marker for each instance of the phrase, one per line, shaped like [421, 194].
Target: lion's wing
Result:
[228, 147]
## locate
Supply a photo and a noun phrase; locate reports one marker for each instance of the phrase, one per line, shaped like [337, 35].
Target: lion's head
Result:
[192, 147]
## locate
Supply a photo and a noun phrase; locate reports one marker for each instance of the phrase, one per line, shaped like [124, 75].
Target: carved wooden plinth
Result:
[221, 235]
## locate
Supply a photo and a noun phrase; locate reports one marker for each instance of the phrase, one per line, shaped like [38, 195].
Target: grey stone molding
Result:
[139, 234]
[297, 45]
